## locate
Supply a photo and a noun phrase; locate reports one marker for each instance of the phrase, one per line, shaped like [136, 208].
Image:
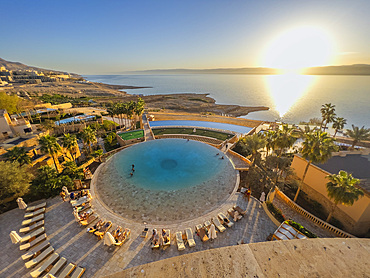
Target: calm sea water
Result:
[291, 98]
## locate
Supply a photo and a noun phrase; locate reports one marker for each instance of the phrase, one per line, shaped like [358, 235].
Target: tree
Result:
[317, 148]
[18, 154]
[342, 190]
[254, 143]
[9, 102]
[139, 109]
[89, 137]
[338, 124]
[70, 143]
[358, 134]
[14, 180]
[50, 146]
[71, 170]
[285, 138]
[98, 154]
[327, 114]
[47, 183]
[111, 112]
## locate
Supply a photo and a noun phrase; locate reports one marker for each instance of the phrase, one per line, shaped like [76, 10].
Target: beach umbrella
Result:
[212, 232]
[263, 197]
[15, 237]
[109, 239]
[21, 203]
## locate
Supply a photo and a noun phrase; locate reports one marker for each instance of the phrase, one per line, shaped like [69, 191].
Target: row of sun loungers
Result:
[287, 232]
[40, 254]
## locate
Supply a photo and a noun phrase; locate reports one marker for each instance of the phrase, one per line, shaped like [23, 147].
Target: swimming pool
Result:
[221, 126]
[75, 119]
[173, 179]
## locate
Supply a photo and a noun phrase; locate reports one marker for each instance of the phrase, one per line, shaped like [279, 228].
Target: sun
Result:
[298, 48]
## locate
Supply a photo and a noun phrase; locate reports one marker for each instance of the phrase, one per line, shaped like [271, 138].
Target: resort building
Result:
[11, 127]
[356, 218]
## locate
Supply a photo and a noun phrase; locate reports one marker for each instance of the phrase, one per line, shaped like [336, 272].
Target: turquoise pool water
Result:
[222, 126]
[173, 179]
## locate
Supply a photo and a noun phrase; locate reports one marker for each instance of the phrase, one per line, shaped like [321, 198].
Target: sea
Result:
[292, 98]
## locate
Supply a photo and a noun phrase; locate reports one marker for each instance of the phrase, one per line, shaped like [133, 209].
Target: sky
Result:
[104, 37]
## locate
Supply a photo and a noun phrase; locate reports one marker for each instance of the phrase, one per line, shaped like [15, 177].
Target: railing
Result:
[311, 217]
[239, 156]
[192, 137]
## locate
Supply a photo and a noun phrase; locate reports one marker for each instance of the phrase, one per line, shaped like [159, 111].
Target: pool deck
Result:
[76, 245]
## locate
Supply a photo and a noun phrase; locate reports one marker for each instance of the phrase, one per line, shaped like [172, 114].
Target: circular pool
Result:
[165, 180]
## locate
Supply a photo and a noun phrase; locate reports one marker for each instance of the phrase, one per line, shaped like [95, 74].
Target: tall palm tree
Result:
[285, 139]
[317, 148]
[327, 114]
[338, 124]
[270, 138]
[358, 134]
[50, 146]
[342, 189]
[139, 109]
[254, 144]
[70, 143]
[18, 154]
[89, 137]
[130, 111]
[111, 112]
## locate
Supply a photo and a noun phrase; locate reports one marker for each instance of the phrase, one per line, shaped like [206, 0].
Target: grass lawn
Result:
[132, 134]
[200, 132]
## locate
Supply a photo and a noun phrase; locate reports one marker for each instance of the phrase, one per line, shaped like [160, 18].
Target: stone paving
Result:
[76, 245]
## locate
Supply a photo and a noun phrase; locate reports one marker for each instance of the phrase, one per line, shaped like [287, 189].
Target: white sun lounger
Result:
[39, 258]
[78, 272]
[232, 212]
[287, 233]
[189, 237]
[179, 241]
[36, 207]
[32, 227]
[56, 267]
[36, 250]
[280, 236]
[218, 224]
[225, 220]
[293, 231]
[49, 261]
[33, 242]
[79, 202]
[28, 222]
[34, 213]
[69, 268]
[33, 235]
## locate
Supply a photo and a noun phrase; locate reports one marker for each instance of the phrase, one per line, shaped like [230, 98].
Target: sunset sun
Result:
[298, 48]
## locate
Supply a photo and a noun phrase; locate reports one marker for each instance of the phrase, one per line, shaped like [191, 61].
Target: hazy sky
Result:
[113, 36]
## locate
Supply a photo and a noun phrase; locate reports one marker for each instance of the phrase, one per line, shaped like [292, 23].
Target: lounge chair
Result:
[124, 237]
[202, 233]
[49, 261]
[179, 241]
[144, 233]
[31, 221]
[97, 226]
[32, 227]
[218, 224]
[79, 202]
[69, 268]
[279, 236]
[34, 213]
[167, 238]
[89, 220]
[82, 208]
[88, 213]
[40, 257]
[293, 231]
[36, 207]
[36, 250]
[225, 220]
[239, 209]
[207, 224]
[287, 233]
[33, 235]
[78, 272]
[232, 214]
[189, 237]
[101, 232]
[61, 263]
[33, 242]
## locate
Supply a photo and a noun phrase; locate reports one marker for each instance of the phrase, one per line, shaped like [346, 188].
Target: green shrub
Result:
[275, 211]
[300, 228]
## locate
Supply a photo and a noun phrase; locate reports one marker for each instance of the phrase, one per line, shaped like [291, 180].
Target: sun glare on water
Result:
[291, 52]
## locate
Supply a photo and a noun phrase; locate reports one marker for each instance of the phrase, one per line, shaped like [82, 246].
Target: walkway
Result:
[290, 213]
[148, 135]
[72, 242]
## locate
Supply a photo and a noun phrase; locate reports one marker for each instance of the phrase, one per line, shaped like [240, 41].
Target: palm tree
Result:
[111, 112]
[285, 138]
[130, 111]
[139, 109]
[50, 146]
[270, 138]
[327, 114]
[18, 154]
[254, 143]
[338, 124]
[317, 148]
[89, 137]
[98, 154]
[342, 189]
[70, 143]
[358, 134]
